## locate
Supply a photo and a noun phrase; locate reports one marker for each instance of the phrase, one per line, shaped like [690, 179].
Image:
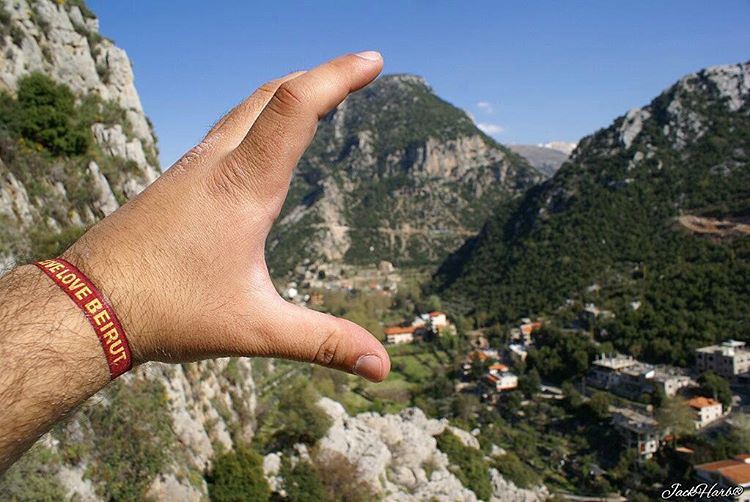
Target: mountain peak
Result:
[403, 78]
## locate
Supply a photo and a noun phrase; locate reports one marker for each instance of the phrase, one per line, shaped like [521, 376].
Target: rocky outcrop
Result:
[397, 455]
[395, 173]
[61, 40]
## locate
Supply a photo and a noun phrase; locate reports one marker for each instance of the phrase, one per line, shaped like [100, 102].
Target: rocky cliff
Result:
[397, 174]
[51, 195]
[181, 413]
[398, 456]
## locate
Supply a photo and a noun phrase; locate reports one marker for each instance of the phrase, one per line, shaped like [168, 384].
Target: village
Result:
[489, 370]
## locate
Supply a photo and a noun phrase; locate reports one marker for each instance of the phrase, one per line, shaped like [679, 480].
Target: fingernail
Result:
[369, 55]
[369, 367]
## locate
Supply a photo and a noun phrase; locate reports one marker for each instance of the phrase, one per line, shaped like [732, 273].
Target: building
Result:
[497, 368]
[438, 320]
[706, 410]
[639, 431]
[399, 334]
[727, 474]
[500, 382]
[728, 359]
[669, 380]
[631, 378]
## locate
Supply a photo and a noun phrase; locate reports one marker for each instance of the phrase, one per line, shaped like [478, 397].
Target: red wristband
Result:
[97, 310]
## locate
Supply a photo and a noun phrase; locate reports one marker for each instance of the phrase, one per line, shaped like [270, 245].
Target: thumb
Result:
[302, 334]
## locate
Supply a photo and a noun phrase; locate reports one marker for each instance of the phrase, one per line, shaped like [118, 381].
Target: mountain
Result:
[545, 159]
[649, 218]
[395, 173]
[74, 141]
[75, 144]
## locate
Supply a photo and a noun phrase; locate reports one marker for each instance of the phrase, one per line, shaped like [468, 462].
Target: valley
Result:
[565, 322]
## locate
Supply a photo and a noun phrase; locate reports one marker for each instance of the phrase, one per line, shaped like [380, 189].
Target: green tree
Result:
[237, 476]
[599, 405]
[676, 415]
[715, 386]
[300, 419]
[47, 116]
[469, 464]
[530, 383]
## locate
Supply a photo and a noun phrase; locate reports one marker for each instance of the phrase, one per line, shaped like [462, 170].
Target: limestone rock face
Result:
[397, 455]
[57, 39]
[397, 174]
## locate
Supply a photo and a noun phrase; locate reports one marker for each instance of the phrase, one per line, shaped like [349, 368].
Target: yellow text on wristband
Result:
[97, 310]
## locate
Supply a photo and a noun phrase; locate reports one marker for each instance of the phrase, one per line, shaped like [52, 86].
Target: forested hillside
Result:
[653, 209]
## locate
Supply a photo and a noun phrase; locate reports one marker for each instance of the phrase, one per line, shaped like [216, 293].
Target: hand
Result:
[183, 263]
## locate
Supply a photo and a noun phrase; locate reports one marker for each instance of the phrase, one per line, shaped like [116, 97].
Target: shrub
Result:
[302, 483]
[33, 478]
[45, 116]
[511, 467]
[342, 479]
[468, 464]
[134, 439]
[238, 476]
[300, 419]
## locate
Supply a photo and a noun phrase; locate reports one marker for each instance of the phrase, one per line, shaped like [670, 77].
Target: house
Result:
[639, 431]
[399, 334]
[727, 474]
[419, 322]
[500, 382]
[528, 328]
[497, 368]
[631, 378]
[438, 320]
[728, 359]
[670, 380]
[706, 410]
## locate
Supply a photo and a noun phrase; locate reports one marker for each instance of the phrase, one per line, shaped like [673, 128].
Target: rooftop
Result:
[701, 402]
[736, 470]
[399, 330]
[727, 347]
[615, 362]
[634, 421]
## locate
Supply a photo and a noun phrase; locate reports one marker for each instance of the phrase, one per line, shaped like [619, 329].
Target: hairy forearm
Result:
[50, 359]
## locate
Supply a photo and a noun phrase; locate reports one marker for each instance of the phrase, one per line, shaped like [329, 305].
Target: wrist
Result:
[116, 286]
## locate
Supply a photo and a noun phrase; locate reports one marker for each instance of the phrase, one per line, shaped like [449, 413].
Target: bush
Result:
[302, 483]
[133, 439]
[33, 478]
[300, 419]
[341, 479]
[46, 114]
[468, 464]
[238, 476]
[512, 468]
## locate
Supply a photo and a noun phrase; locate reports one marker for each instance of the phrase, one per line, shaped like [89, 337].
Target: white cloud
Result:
[490, 128]
[485, 106]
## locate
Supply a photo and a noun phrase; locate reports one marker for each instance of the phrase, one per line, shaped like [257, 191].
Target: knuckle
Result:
[328, 349]
[288, 99]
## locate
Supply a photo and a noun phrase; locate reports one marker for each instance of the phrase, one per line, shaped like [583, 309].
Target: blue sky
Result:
[529, 71]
